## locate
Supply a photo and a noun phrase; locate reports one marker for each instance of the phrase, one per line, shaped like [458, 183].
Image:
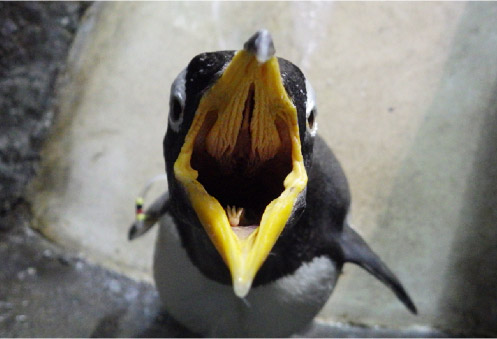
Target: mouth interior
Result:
[242, 181]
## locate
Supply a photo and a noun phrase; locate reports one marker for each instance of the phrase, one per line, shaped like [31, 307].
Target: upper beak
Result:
[247, 114]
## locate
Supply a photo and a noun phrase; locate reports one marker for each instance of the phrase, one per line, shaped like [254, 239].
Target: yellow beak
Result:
[247, 111]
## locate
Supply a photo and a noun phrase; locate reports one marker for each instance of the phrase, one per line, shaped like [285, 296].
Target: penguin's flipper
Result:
[141, 225]
[355, 250]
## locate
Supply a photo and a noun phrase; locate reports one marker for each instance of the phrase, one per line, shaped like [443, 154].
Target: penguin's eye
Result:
[175, 109]
[312, 125]
[177, 101]
[311, 119]
[311, 112]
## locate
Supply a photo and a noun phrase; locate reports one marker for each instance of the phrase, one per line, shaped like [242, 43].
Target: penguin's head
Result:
[238, 149]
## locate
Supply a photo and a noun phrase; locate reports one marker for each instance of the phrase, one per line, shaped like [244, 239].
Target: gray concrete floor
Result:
[406, 96]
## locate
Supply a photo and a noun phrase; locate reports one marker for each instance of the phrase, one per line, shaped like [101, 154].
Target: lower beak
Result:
[241, 164]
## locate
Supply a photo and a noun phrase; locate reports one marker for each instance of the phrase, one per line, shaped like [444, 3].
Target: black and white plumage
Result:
[198, 284]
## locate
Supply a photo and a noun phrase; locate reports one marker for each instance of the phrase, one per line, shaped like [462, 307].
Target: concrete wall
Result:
[406, 98]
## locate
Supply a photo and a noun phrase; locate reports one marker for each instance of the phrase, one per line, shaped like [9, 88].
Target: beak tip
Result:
[261, 46]
[241, 287]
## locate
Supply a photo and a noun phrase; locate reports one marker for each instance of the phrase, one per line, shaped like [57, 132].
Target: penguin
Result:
[254, 228]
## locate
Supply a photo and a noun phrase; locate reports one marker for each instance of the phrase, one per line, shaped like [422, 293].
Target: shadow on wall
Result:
[470, 297]
[474, 268]
[446, 192]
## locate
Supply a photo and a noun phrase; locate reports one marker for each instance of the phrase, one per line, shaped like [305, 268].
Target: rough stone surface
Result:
[34, 40]
[48, 292]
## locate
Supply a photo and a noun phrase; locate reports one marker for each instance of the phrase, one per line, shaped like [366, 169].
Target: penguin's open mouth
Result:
[247, 176]
[241, 164]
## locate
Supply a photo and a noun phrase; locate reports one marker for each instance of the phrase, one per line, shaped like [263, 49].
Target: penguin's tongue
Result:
[235, 215]
[238, 222]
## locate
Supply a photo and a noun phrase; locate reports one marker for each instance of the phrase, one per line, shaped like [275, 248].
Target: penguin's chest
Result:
[210, 308]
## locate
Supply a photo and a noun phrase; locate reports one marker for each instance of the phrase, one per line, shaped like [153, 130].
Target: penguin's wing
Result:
[158, 208]
[328, 205]
[355, 250]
